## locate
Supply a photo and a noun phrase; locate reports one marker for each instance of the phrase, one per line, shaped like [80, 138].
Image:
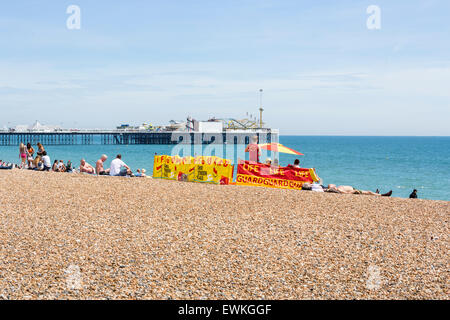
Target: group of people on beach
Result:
[42, 162]
[117, 168]
[39, 162]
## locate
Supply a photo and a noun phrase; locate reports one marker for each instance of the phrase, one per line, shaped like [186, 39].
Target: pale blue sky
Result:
[322, 70]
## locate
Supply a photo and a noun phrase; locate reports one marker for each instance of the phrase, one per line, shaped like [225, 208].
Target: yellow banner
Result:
[158, 166]
[206, 169]
[183, 168]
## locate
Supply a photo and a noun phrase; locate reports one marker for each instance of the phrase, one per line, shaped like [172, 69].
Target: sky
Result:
[323, 71]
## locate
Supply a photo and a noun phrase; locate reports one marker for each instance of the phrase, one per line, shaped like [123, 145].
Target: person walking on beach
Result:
[30, 150]
[413, 195]
[119, 168]
[99, 168]
[23, 155]
[254, 150]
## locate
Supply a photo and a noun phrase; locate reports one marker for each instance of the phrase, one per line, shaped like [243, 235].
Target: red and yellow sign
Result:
[208, 169]
[158, 163]
[173, 168]
[212, 169]
[263, 175]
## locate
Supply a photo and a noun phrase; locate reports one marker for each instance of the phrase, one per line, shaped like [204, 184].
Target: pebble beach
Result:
[74, 236]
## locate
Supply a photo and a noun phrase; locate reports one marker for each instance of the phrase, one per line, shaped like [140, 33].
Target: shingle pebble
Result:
[72, 236]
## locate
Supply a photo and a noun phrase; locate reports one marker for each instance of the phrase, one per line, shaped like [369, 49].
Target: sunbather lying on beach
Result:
[350, 190]
[86, 167]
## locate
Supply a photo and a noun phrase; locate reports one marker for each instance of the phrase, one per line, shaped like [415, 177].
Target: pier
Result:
[129, 137]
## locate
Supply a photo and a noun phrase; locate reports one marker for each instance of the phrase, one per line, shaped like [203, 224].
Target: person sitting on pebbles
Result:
[99, 166]
[47, 165]
[35, 164]
[140, 173]
[61, 166]
[55, 166]
[69, 166]
[86, 167]
[119, 168]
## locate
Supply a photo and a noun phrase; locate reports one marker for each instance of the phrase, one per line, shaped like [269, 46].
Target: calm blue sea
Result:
[397, 163]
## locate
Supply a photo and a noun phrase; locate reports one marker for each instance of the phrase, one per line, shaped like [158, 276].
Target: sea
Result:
[400, 164]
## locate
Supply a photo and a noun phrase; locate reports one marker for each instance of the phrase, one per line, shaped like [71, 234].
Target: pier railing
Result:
[129, 136]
